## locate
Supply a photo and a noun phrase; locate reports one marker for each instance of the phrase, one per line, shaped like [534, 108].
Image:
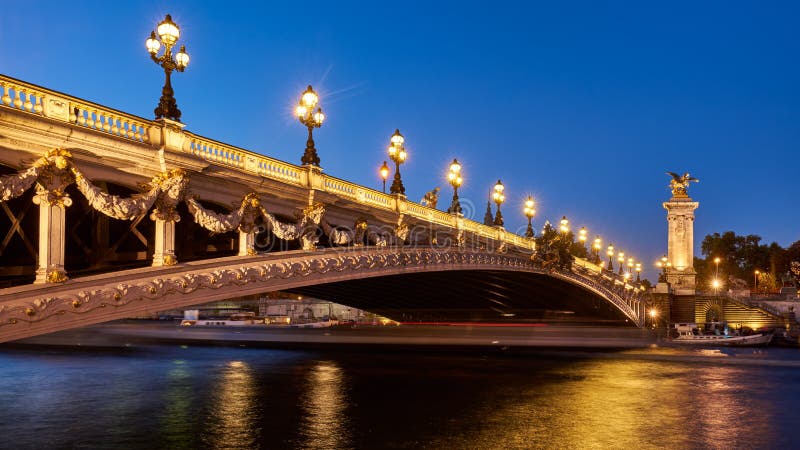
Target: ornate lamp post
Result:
[499, 198]
[397, 153]
[384, 172]
[530, 211]
[582, 236]
[630, 266]
[311, 119]
[663, 264]
[168, 33]
[610, 254]
[598, 245]
[455, 180]
[621, 261]
[563, 226]
[755, 280]
[638, 272]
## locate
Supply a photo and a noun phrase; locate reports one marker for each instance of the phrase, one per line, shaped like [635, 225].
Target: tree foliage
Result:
[741, 256]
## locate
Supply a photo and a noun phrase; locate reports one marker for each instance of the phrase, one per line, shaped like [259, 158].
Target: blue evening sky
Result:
[584, 105]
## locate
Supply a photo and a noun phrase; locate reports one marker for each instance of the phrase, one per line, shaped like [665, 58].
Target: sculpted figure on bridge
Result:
[173, 185]
[431, 198]
[680, 183]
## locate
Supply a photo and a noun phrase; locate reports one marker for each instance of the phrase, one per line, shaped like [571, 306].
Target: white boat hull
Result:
[734, 341]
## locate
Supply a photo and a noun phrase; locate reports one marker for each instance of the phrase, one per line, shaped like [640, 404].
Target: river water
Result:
[178, 396]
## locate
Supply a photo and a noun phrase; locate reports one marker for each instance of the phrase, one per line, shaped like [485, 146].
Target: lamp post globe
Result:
[383, 171]
[168, 35]
[311, 119]
[398, 154]
[596, 247]
[621, 261]
[610, 253]
[564, 225]
[455, 179]
[582, 237]
[530, 211]
[499, 197]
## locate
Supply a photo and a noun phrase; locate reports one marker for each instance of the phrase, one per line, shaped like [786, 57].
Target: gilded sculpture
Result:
[680, 183]
[431, 198]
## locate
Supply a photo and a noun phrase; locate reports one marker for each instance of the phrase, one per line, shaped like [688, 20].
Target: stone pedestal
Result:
[164, 253]
[167, 134]
[52, 235]
[680, 245]
[661, 288]
[247, 243]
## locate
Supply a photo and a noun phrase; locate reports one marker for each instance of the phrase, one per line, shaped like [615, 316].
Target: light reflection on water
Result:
[323, 403]
[174, 421]
[169, 397]
[233, 421]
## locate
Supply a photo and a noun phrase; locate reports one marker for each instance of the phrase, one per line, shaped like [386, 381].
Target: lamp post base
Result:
[167, 106]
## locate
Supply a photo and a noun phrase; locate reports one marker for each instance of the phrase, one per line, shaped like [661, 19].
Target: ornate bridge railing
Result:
[55, 105]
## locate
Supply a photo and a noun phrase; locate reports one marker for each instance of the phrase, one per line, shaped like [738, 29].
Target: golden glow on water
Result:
[323, 404]
[233, 417]
[618, 404]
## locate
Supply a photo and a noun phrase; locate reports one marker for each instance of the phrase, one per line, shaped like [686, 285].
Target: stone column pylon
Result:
[164, 243]
[247, 243]
[680, 244]
[52, 235]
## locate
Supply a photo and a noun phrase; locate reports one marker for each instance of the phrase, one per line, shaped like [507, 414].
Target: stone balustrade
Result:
[40, 101]
[55, 105]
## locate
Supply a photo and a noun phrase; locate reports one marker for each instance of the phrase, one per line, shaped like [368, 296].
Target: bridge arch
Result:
[30, 310]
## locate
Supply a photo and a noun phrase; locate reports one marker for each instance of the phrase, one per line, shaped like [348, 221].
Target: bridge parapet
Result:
[55, 105]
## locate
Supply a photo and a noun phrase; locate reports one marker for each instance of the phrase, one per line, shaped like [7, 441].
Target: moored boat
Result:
[235, 320]
[689, 334]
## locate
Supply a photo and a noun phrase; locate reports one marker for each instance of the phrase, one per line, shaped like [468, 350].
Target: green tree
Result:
[740, 257]
[552, 244]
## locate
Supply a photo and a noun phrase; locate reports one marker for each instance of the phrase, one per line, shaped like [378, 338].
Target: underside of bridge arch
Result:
[474, 296]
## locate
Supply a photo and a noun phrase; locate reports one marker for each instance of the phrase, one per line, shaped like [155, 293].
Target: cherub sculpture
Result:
[679, 183]
[431, 198]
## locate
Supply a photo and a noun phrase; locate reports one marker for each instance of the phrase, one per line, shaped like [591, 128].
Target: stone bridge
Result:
[105, 214]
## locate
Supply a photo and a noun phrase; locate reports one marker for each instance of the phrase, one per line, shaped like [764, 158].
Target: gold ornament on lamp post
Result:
[384, 173]
[499, 197]
[530, 211]
[397, 153]
[598, 245]
[455, 179]
[311, 119]
[168, 34]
